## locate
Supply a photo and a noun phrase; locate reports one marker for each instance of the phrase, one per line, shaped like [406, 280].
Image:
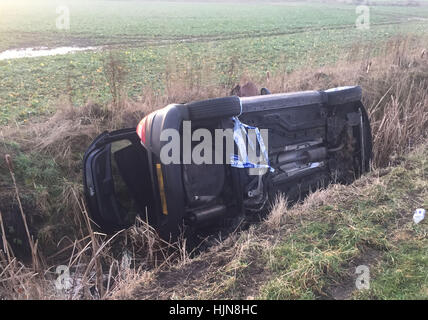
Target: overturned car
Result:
[169, 174]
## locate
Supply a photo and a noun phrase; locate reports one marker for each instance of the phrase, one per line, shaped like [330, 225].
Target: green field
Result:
[152, 38]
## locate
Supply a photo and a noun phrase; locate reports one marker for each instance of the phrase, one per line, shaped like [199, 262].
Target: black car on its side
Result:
[314, 138]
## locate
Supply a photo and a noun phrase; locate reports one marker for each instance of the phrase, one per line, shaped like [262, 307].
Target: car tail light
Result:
[141, 130]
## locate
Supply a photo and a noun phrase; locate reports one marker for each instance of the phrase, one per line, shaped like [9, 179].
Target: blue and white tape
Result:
[244, 162]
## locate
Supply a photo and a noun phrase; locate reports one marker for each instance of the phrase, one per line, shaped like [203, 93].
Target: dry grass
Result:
[97, 271]
[395, 89]
[277, 214]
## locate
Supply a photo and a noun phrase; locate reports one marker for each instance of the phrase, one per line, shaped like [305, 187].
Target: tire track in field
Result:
[143, 41]
[129, 41]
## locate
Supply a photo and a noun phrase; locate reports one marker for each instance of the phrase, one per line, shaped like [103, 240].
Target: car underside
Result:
[311, 139]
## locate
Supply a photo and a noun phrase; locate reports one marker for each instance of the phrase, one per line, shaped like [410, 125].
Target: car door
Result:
[117, 180]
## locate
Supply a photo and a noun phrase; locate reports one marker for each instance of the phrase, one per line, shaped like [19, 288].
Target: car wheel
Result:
[215, 108]
[264, 91]
[342, 95]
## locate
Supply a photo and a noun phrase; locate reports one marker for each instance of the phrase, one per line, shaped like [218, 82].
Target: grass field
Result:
[156, 39]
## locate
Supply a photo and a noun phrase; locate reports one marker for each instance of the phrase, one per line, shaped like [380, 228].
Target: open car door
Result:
[117, 180]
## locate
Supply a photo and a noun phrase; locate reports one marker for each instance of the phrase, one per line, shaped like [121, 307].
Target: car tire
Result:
[264, 91]
[215, 108]
[342, 95]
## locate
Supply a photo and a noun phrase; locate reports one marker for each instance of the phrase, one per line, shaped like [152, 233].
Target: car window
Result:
[123, 196]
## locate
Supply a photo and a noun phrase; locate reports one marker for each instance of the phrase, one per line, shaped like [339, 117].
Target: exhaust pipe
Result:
[205, 216]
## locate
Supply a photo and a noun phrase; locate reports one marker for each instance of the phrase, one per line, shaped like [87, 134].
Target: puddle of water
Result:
[40, 52]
